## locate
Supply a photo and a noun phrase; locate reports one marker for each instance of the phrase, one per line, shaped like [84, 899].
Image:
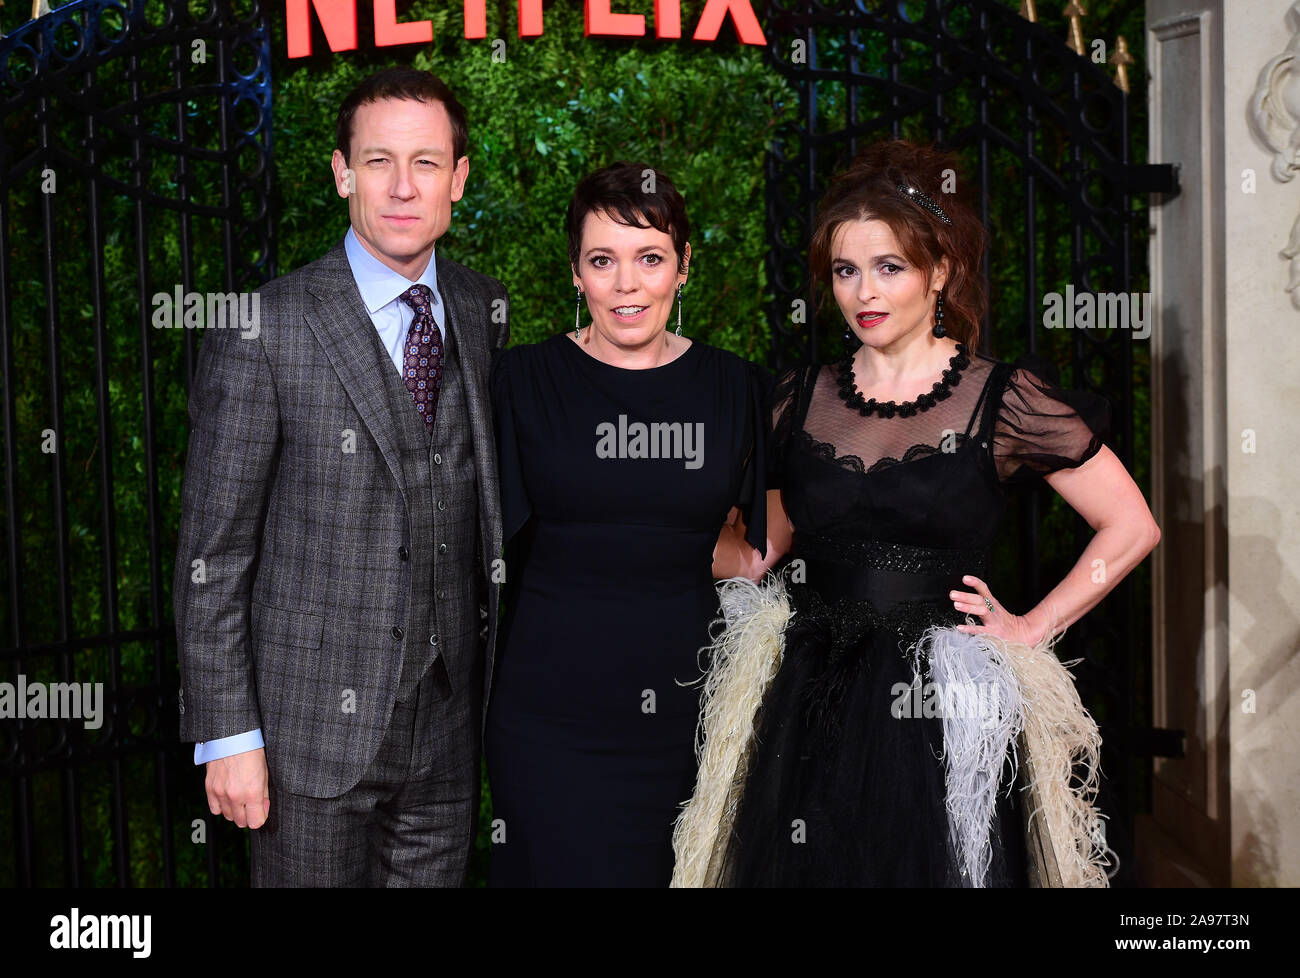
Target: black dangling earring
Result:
[939, 330]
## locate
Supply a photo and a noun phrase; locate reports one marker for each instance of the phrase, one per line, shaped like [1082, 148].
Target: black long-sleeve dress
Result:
[590, 726]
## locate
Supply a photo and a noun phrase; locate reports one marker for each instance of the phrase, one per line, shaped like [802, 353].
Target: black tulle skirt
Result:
[846, 778]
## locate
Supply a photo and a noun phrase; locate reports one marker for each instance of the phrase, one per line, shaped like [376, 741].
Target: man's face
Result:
[401, 180]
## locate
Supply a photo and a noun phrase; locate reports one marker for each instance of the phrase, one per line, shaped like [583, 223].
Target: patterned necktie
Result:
[422, 363]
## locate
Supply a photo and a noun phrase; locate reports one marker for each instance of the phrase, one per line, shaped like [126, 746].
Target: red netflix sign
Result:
[338, 20]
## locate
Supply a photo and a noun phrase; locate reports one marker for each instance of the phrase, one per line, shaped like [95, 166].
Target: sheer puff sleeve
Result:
[1042, 428]
[752, 500]
[516, 507]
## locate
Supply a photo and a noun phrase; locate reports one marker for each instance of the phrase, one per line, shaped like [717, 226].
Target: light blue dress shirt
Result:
[381, 289]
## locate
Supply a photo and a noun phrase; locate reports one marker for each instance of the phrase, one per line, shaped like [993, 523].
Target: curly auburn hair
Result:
[867, 190]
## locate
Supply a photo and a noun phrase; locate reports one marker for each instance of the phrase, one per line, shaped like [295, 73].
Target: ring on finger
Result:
[989, 603]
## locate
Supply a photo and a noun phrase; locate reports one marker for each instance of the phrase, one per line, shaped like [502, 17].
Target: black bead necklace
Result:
[942, 389]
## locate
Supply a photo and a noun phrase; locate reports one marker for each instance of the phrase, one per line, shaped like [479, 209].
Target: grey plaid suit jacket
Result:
[291, 622]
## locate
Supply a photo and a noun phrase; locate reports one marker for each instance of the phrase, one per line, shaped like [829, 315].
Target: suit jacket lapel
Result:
[347, 335]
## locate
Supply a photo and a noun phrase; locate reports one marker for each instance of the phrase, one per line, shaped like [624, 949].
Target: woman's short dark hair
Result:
[635, 194]
[867, 190]
[401, 83]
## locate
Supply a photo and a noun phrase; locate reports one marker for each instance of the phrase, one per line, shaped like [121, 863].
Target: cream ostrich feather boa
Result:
[1038, 720]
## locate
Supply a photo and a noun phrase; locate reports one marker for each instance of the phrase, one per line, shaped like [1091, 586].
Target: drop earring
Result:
[577, 310]
[679, 310]
[939, 330]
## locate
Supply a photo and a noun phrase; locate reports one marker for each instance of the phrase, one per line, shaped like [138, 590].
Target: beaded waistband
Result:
[886, 556]
[844, 619]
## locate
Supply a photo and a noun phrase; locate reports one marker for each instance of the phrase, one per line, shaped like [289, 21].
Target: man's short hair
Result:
[401, 83]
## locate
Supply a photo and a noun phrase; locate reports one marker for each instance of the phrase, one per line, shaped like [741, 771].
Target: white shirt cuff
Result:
[214, 750]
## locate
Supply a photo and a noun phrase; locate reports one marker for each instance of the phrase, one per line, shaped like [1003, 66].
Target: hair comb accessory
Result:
[911, 193]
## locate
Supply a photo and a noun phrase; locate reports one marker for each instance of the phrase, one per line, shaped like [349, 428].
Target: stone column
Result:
[1225, 106]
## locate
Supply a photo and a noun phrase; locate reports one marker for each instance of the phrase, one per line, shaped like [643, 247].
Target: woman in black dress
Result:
[623, 447]
[903, 706]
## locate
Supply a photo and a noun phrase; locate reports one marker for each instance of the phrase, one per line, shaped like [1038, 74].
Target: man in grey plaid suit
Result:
[336, 586]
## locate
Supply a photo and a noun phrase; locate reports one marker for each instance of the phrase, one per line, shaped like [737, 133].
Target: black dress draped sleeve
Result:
[755, 482]
[516, 507]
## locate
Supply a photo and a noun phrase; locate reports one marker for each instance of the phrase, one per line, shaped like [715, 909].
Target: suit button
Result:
[433, 639]
[397, 631]
[403, 553]
[437, 458]
[441, 505]
[442, 548]
[442, 595]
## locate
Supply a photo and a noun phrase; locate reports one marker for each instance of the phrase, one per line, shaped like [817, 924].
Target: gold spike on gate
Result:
[1074, 10]
[1121, 59]
[1028, 12]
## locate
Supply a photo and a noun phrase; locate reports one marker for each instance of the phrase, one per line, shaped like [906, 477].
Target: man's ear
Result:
[458, 178]
[345, 180]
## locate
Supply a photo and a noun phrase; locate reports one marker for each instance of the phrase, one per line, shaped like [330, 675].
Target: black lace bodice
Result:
[934, 478]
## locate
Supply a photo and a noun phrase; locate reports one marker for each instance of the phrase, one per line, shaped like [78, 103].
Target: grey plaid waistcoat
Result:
[446, 606]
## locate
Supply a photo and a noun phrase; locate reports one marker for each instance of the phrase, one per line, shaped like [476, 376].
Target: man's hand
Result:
[237, 788]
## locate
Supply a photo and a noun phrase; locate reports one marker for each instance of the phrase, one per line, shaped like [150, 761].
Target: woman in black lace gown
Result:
[888, 481]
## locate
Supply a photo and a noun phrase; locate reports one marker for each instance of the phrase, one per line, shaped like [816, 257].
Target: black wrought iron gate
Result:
[1045, 132]
[135, 162]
